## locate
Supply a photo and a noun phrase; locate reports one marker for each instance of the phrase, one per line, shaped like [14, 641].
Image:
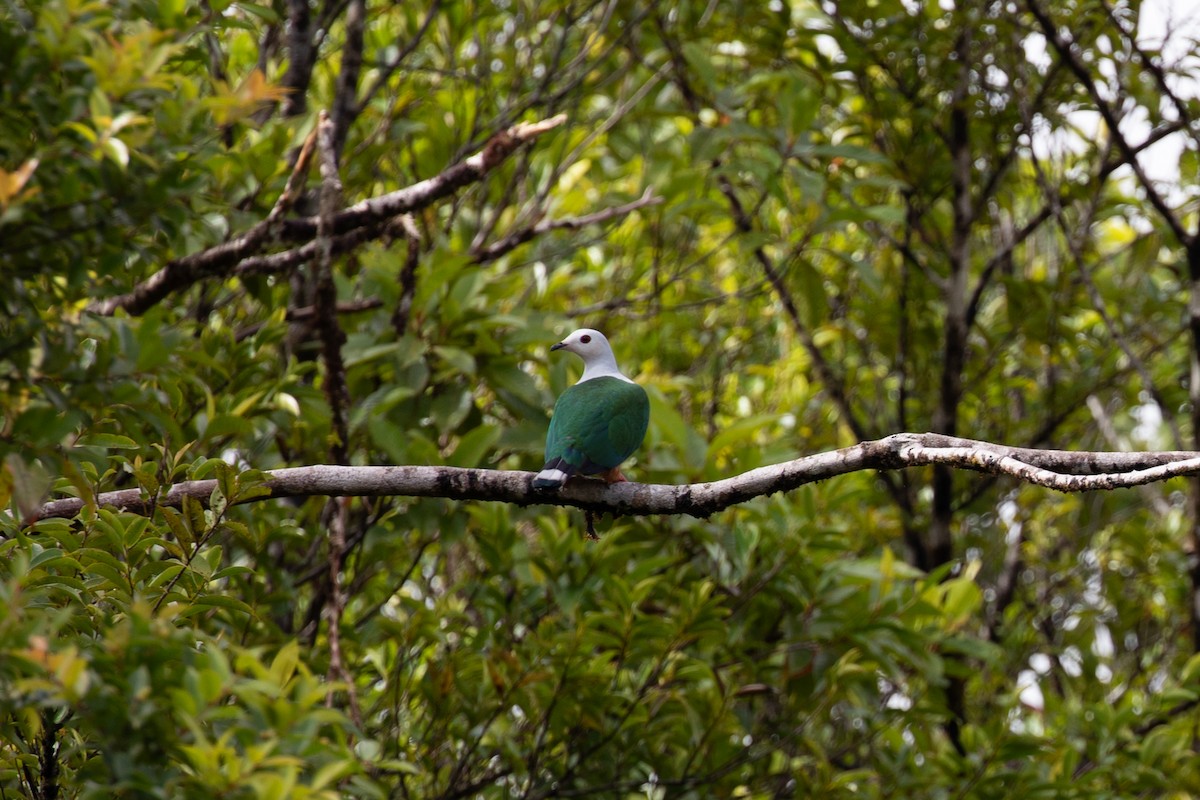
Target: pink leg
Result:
[614, 476]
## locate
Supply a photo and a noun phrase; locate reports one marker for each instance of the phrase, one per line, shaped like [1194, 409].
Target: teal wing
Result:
[597, 424]
[627, 424]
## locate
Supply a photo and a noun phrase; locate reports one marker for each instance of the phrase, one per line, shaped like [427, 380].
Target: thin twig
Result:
[1066, 52]
[408, 275]
[295, 182]
[516, 238]
[384, 74]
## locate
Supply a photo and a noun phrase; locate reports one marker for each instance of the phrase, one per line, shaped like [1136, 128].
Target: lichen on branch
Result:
[1062, 470]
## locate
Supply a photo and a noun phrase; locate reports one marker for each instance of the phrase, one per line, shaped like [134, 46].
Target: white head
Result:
[594, 349]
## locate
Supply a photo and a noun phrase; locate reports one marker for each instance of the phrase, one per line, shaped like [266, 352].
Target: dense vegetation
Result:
[802, 225]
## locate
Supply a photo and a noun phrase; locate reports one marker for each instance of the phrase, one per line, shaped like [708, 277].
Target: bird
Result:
[598, 422]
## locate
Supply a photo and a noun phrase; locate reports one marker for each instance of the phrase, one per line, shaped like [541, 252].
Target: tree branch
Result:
[1066, 52]
[336, 513]
[332, 336]
[372, 213]
[833, 384]
[938, 547]
[287, 260]
[1005, 253]
[345, 103]
[385, 72]
[408, 275]
[302, 55]
[1063, 470]
[1154, 66]
[519, 237]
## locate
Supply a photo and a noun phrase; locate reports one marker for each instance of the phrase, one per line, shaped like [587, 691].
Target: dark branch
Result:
[408, 276]
[332, 336]
[354, 221]
[519, 237]
[1129, 153]
[384, 74]
[345, 103]
[302, 54]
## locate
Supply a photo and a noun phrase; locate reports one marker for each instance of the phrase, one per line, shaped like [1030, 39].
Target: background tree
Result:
[245, 236]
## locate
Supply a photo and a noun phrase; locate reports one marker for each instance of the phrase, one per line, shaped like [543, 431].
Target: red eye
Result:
[585, 338]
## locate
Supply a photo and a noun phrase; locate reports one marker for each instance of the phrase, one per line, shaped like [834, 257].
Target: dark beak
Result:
[558, 346]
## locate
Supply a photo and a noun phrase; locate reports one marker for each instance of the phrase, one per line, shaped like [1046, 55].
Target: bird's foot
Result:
[613, 476]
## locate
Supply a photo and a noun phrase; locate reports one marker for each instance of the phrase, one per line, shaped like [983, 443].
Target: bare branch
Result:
[1005, 253]
[302, 55]
[1154, 66]
[345, 101]
[1063, 470]
[364, 217]
[336, 512]
[287, 260]
[519, 237]
[1066, 52]
[384, 74]
[408, 275]
[332, 336]
[938, 547]
[295, 182]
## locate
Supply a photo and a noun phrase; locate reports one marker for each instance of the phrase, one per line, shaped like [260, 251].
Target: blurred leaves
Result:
[786, 647]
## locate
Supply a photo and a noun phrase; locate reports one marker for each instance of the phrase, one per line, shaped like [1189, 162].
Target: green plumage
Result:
[596, 425]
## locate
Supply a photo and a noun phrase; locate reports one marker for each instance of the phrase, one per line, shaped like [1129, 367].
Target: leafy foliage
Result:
[867, 226]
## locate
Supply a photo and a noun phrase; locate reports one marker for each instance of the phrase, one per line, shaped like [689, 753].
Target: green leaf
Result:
[460, 360]
[283, 666]
[474, 445]
[111, 441]
[670, 423]
[40, 424]
[194, 517]
[182, 533]
[211, 601]
[265, 13]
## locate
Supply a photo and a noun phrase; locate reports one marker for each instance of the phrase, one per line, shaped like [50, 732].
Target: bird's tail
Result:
[553, 475]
